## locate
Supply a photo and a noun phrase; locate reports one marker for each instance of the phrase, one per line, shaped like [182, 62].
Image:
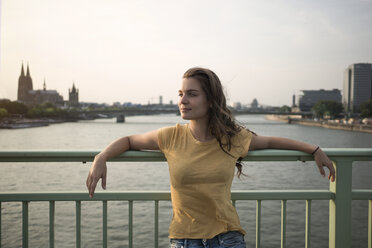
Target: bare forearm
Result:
[284, 143]
[116, 148]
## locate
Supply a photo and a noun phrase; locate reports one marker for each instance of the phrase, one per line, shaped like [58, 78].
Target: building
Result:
[29, 96]
[73, 96]
[161, 100]
[24, 86]
[357, 86]
[310, 97]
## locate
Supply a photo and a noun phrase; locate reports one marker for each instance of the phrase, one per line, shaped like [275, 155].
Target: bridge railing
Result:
[340, 193]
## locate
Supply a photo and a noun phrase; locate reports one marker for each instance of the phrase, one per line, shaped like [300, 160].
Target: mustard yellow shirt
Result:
[201, 175]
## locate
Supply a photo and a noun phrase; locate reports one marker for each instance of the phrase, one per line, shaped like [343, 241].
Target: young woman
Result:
[202, 156]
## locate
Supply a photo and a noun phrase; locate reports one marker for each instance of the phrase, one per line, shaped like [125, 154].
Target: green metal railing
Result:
[340, 194]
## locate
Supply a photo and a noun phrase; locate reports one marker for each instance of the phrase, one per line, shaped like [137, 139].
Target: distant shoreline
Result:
[18, 123]
[321, 123]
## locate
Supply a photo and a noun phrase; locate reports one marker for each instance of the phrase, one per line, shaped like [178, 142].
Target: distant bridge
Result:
[133, 112]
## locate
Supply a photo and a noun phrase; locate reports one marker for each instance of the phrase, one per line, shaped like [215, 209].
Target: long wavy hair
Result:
[222, 124]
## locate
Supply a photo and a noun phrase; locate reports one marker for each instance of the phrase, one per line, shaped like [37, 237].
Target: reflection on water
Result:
[95, 135]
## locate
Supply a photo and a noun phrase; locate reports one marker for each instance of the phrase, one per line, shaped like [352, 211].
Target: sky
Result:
[135, 51]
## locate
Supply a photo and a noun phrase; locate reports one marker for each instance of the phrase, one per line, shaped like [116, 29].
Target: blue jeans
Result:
[232, 239]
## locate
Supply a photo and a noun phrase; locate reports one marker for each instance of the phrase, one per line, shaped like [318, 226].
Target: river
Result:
[95, 135]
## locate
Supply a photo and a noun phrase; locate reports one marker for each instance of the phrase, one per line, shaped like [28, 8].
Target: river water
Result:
[95, 135]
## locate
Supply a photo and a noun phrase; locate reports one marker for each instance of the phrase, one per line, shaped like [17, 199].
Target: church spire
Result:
[22, 71]
[28, 71]
[44, 85]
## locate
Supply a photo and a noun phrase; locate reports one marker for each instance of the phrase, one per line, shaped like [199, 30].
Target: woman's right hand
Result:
[97, 171]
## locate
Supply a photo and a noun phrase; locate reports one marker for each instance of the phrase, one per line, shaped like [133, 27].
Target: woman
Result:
[202, 156]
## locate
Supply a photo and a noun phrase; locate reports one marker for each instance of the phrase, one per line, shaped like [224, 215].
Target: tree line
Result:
[333, 109]
[45, 110]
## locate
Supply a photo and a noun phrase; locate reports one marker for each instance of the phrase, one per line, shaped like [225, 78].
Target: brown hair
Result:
[221, 122]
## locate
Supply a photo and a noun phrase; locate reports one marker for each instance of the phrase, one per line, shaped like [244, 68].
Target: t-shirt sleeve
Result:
[245, 137]
[165, 136]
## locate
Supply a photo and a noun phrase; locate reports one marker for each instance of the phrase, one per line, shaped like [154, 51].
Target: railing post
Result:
[0, 224]
[104, 224]
[51, 223]
[24, 224]
[340, 207]
[370, 224]
[78, 224]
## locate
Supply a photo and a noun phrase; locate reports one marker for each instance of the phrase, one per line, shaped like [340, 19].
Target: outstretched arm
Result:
[98, 170]
[321, 159]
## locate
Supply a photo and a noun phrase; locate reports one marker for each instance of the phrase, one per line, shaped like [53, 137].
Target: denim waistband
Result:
[230, 239]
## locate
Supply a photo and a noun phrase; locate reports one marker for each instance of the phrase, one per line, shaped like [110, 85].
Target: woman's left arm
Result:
[321, 159]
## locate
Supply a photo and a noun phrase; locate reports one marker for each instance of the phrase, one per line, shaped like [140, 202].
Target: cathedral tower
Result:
[24, 86]
[73, 96]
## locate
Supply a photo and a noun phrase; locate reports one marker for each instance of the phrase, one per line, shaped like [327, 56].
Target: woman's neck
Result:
[200, 130]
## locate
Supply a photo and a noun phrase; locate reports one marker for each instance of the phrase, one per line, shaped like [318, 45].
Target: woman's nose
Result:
[183, 100]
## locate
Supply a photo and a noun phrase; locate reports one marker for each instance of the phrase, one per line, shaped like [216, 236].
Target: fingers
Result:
[332, 172]
[92, 187]
[321, 170]
[104, 179]
[91, 184]
[322, 160]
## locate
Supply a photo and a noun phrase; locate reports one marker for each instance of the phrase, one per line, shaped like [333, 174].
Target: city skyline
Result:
[135, 51]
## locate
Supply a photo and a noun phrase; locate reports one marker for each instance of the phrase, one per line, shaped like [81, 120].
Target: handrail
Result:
[340, 193]
[354, 154]
[165, 195]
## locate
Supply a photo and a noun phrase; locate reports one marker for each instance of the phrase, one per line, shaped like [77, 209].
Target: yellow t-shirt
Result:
[201, 175]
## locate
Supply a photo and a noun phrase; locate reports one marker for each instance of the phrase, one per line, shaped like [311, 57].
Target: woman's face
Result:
[192, 101]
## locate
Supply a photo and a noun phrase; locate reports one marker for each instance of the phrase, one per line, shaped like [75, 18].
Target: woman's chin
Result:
[185, 116]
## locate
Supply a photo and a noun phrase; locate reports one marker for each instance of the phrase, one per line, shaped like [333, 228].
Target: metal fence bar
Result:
[308, 224]
[234, 203]
[24, 224]
[51, 223]
[283, 224]
[258, 223]
[78, 224]
[340, 206]
[370, 224]
[104, 224]
[130, 220]
[0, 224]
[156, 223]
[359, 154]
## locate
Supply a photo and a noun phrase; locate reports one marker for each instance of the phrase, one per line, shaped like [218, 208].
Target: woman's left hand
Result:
[322, 160]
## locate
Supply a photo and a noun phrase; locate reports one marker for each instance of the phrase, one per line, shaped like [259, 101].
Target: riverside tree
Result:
[324, 107]
[13, 107]
[366, 109]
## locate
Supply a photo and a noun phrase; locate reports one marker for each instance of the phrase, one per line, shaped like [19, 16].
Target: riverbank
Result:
[16, 123]
[357, 127]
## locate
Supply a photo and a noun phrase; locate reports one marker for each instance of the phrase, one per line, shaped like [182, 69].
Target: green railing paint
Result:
[370, 224]
[308, 224]
[24, 224]
[104, 223]
[340, 193]
[258, 223]
[283, 223]
[156, 223]
[78, 224]
[51, 223]
[0, 224]
[130, 223]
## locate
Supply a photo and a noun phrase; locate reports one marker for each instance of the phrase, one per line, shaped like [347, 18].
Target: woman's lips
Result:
[185, 109]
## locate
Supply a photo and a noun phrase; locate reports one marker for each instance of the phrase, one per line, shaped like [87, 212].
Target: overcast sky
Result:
[135, 51]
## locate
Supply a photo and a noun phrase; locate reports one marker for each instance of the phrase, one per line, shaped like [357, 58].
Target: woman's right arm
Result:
[98, 170]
